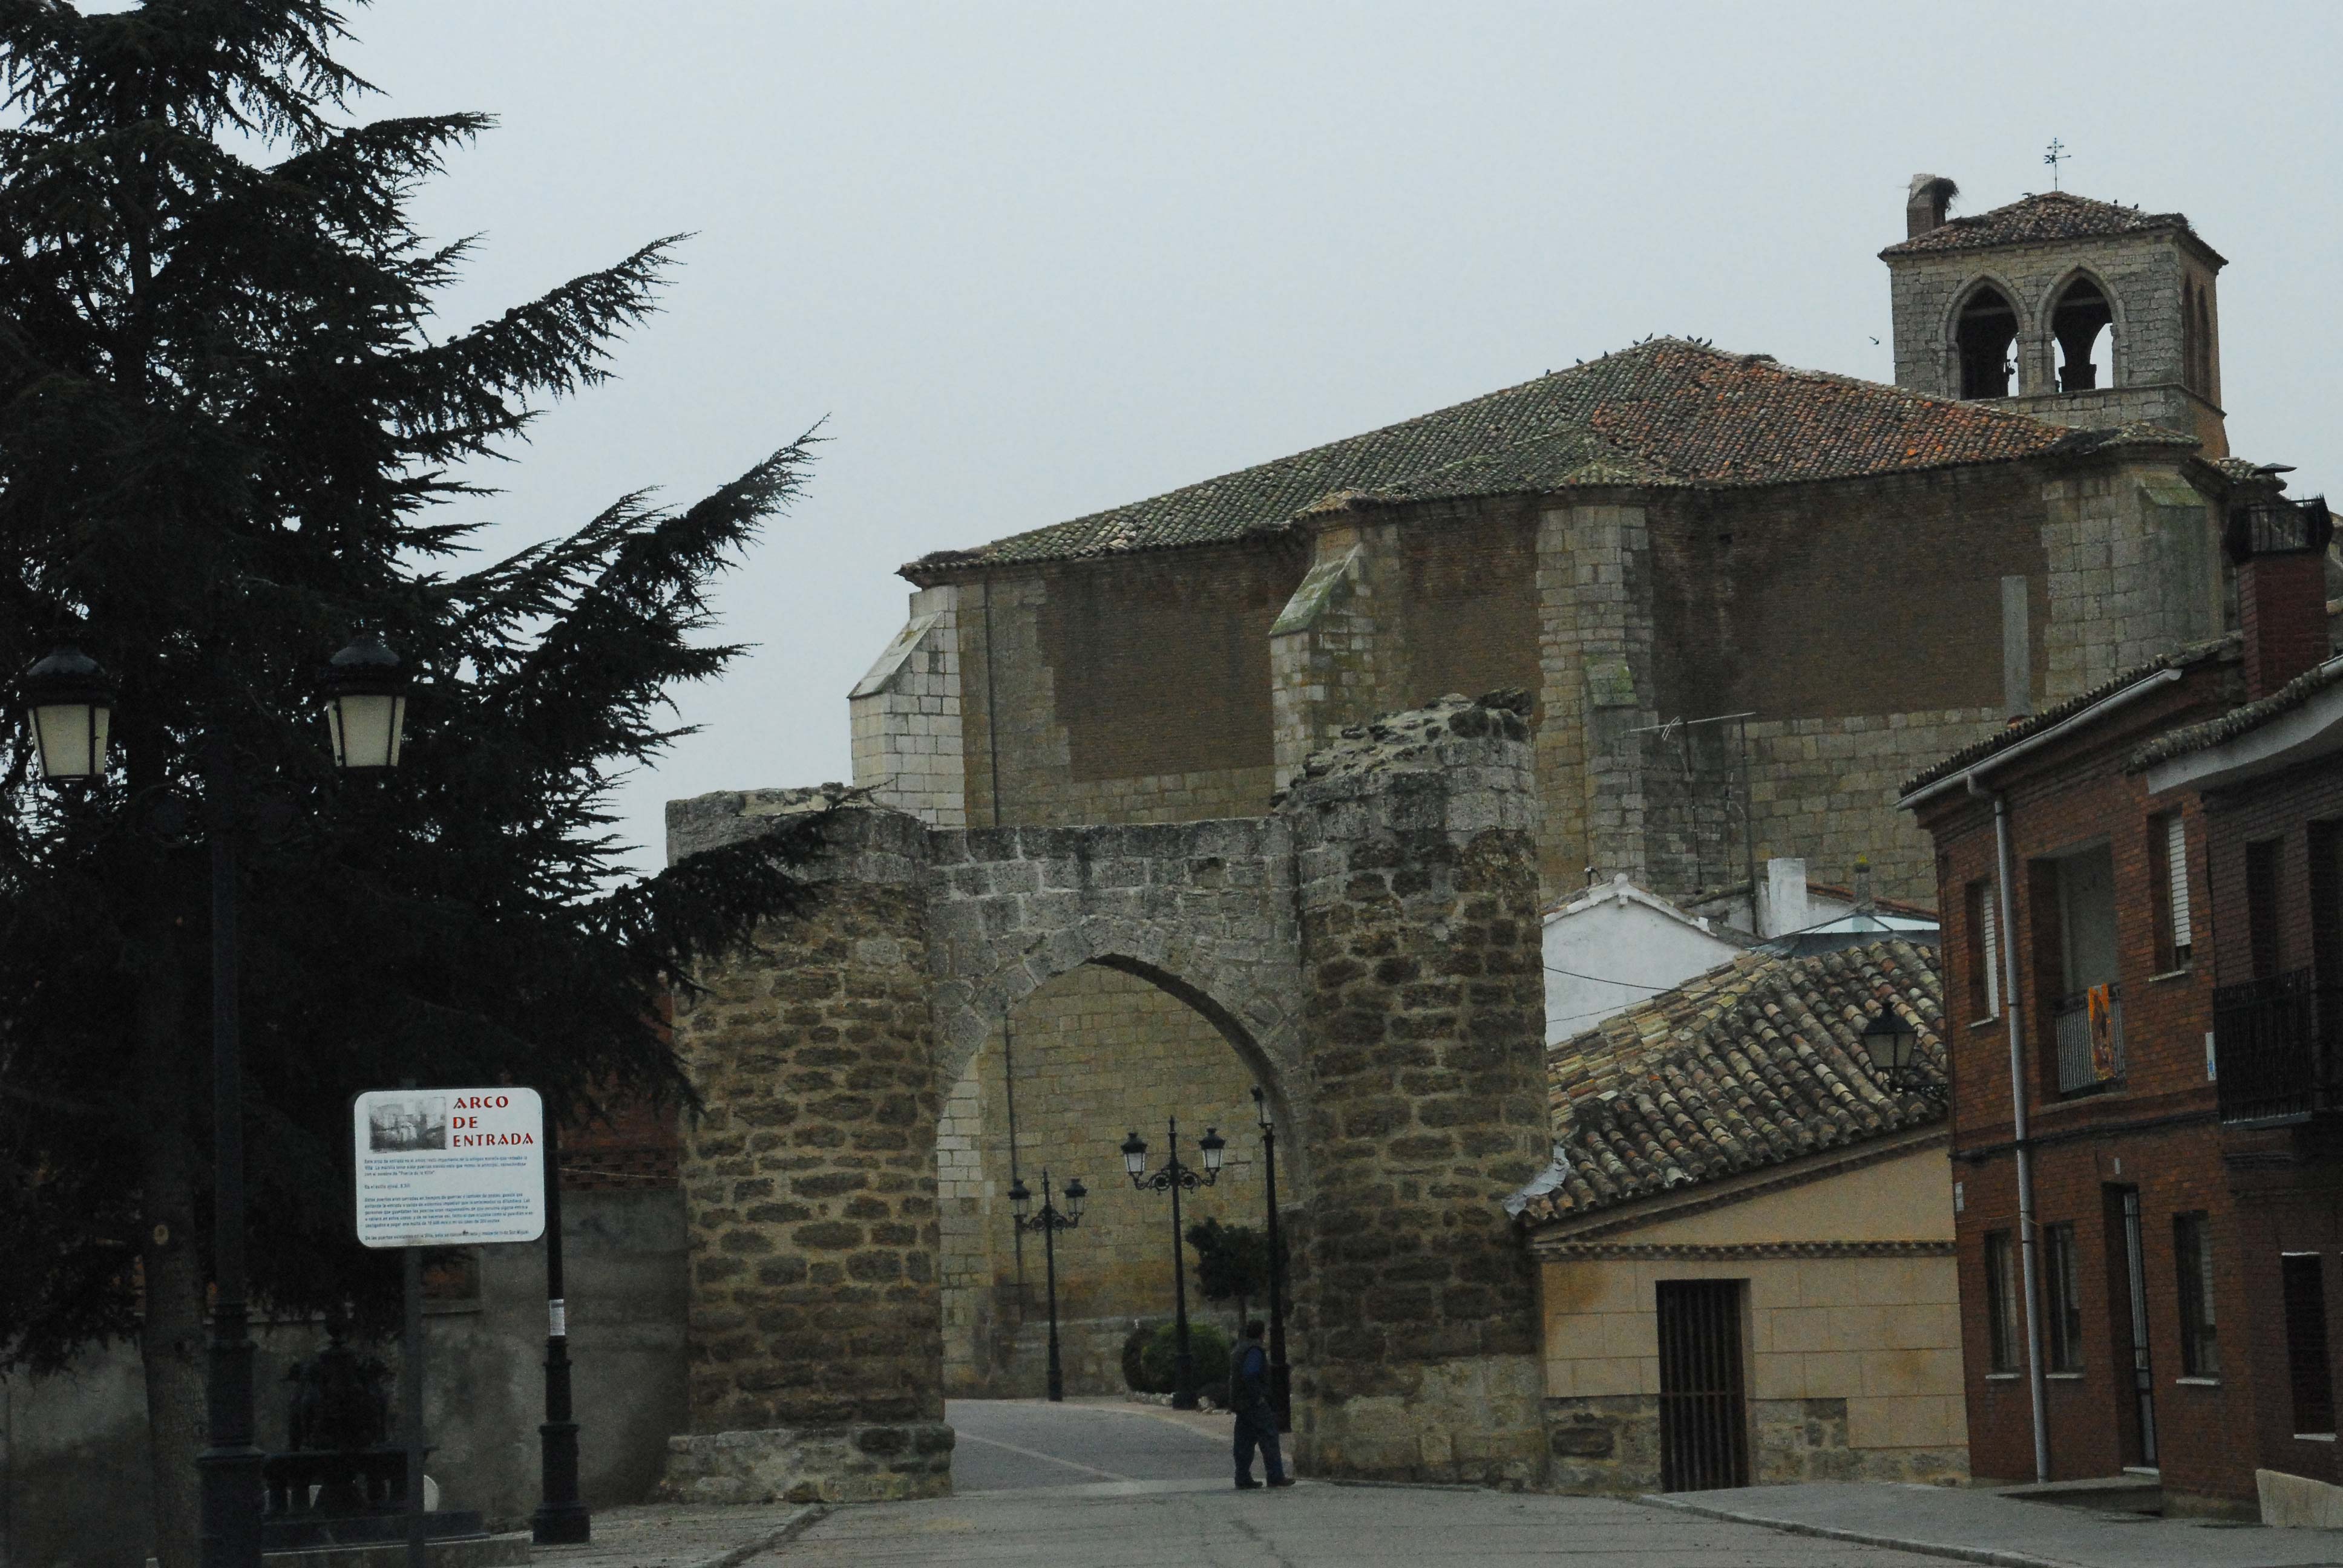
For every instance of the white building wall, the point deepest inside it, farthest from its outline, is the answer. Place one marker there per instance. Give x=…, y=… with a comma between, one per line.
x=1614, y=946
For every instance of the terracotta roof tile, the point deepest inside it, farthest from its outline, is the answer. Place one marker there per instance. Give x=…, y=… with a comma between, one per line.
x=1753, y=1065
x=2034, y=724
x=1666, y=413
x=2239, y=721
x=2048, y=215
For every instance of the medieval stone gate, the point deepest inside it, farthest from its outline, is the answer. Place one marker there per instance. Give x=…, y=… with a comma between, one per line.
x=1370, y=949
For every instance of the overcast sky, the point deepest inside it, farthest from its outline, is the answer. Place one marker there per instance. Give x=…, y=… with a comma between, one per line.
x=1032, y=260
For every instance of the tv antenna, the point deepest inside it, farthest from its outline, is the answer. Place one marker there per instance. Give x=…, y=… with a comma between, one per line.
x=2054, y=155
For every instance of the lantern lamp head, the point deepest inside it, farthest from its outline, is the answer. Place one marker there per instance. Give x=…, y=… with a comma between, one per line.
x=365, y=704
x=70, y=702
x=1261, y=1109
x=1076, y=1196
x=1214, y=1146
x=1893, y=1045
x=1020, y=1198
x=1134, y=1155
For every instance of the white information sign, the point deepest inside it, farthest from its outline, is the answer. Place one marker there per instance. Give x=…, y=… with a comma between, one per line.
x=449, y=1167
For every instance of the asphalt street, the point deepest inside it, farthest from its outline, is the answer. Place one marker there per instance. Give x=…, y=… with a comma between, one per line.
x=1006, y=1444
x=1122, y=1486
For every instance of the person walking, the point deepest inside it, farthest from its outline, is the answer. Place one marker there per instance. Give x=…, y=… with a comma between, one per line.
x=1256, y=1415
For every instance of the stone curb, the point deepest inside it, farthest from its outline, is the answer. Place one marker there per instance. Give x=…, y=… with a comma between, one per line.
x=1986, y=1554
x=796, y=1524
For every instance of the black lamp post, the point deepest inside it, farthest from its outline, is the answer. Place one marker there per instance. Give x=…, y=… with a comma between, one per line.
x=1050, y=1222
x=561, y=1520
x=1173, y=1179
x=69, y=702
x=1281, y=1376
x=1894, y=1047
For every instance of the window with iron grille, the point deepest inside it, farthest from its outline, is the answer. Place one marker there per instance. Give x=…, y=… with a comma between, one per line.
x=2168, y=888
x=2192, y=1256
x=2304, y=1277
x=2001, y=1305
x=1984, y=951
x=2063, y=1278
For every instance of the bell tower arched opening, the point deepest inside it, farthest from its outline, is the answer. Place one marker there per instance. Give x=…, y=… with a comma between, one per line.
x=1985, y=337
x=2082, y=326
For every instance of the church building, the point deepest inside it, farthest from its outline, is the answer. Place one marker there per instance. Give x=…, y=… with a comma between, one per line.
x=1746, y=600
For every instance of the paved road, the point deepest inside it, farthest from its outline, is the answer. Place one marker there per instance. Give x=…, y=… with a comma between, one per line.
x=1121, y=1486
x=1013, y=1444
x=1183, y=1525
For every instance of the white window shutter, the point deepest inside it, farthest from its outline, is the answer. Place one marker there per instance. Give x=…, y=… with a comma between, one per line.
x=1992, y=951
x=2176, y=857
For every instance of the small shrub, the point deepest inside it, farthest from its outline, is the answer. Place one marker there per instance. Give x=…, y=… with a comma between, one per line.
x=1210, y=1347
x=1134, y=1363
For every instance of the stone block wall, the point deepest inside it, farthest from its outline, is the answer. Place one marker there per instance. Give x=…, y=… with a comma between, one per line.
x=1417, y=844
x=816, y=1335
x=906, y=717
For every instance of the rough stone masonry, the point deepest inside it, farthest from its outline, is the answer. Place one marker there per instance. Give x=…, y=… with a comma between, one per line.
x=1396, y=1017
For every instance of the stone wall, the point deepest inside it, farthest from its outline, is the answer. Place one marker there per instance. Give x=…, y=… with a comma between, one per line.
x=816, y=1330
x=1416, y=1335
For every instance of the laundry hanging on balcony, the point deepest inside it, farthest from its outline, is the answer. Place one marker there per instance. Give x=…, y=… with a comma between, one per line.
x=2100, y=1000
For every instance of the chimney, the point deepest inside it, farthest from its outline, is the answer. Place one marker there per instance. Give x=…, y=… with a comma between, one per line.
x=2279, y=548
x=1863, y=898
x=1785, y=896
x=1924, y=209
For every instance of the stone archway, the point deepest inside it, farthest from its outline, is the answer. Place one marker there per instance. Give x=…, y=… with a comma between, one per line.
x=1371, y=949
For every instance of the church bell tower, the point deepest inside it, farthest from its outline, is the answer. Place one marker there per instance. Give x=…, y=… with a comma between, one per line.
x=2078, y=311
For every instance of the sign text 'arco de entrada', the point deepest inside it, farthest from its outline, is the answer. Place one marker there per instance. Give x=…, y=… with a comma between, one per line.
x=448, y=1167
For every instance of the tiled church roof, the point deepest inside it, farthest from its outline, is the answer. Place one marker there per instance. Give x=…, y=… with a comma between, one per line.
x=1752, y=1065
x=1662, y=413
x=2049, y=216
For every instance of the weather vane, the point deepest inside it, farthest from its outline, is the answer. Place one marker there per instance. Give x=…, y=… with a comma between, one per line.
x=2057, y=152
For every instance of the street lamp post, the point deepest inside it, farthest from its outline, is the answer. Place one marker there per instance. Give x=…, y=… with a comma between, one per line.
x=1281, y=1376
x=1173, y=1179
x=69, y=702
x=1050, y=1222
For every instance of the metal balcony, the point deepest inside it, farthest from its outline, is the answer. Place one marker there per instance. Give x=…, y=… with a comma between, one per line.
x=2274, y=1052
x=2085, y=1065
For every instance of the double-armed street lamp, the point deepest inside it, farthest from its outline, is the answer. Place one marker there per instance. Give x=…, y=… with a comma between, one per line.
x=1050, y=1222
x=1173, y=1179
x=68, y=701
x=1281, y=1376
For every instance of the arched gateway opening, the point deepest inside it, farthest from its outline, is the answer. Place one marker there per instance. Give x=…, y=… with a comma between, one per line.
x=1371, y=952
x=1105, y=1048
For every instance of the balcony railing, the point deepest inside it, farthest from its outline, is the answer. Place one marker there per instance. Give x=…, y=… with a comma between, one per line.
x=2274, y=1048
x=2089, y=1059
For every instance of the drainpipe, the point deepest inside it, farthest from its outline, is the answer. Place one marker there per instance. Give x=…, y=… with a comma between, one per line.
x=2028, y=1237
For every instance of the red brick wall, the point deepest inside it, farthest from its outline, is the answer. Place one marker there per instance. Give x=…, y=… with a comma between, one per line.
x=2288, y=1181
x=2282, y=612
x=2157, y=1131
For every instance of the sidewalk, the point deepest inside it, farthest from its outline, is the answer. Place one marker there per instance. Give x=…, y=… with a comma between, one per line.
x=683, y=1535
x=1985, y=1527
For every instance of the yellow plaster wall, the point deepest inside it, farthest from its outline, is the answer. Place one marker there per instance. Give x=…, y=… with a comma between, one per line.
x=1905, y=1199
x=1882, y=1333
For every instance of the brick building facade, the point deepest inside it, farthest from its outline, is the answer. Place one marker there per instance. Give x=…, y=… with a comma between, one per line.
x=2099, y=920
x=1873, y=575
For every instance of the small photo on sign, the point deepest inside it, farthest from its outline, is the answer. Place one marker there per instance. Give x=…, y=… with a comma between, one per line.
x=396, y=1126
